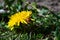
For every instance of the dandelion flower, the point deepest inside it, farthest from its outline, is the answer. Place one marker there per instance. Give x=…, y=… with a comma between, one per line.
x=18, y=18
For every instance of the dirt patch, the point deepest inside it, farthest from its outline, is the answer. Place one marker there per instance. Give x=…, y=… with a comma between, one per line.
x=53, y=5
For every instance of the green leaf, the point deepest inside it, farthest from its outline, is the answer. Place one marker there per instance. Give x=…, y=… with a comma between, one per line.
x=42, y=11
x=39, y=36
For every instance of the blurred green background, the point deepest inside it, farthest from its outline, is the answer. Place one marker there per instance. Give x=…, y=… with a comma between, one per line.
x=46, y=25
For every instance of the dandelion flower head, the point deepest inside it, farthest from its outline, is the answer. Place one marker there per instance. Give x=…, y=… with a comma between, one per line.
x=19, y=17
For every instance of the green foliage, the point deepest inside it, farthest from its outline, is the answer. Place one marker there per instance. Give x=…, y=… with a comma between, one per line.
x=45, y=22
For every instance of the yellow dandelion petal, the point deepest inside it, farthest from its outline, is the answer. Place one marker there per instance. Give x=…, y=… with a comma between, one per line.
x=12, y=28
x=18, y=18
x=32, y=19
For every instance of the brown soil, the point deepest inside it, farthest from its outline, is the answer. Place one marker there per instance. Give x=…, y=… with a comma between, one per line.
x=53, y=5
